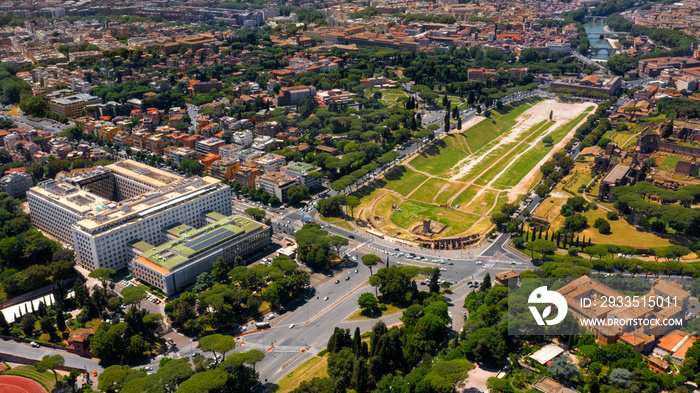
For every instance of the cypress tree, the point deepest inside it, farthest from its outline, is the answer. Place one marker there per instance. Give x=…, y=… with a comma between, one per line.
x=577, y=243
x=546, y=235
x=4, y=326
x=558, y=239
x=60, y=321
x=589, y=241
x=357, y=342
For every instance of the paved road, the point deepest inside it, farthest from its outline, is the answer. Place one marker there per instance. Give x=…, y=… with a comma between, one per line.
x=27, y=351
x=586, y=60
x=45, y=124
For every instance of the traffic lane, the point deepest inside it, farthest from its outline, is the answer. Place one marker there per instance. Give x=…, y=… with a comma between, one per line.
x=314, y=335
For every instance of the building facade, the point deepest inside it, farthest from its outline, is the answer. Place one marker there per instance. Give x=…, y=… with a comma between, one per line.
x=16, y=183
x=100, y=212
x=72, y=106
x=174, y=265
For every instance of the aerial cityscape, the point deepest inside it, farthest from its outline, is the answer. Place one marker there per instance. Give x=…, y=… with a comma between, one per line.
x=380, y=196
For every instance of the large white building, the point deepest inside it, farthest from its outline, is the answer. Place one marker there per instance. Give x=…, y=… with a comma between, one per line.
x=101, y=212
x=174, y=265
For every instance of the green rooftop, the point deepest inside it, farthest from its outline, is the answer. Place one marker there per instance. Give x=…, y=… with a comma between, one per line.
x=193, y=242
x=177, y=229
x=301, y=167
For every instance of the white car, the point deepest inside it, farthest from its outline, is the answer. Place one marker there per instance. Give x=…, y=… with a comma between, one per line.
x=291, y=326
x=478, y=262
x=325, y=298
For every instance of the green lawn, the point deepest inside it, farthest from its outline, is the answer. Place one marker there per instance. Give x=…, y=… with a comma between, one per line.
x=390, y=309
x=449, y=192
x=428, y=190
x=338, y=221
x=486, y=131
x=656, y=119
x=316, y=367
x=465, y=198
x=403, y=180
x=413, y=213
x=442, y=156
x=390, y=97
x=669, y=163
x=46, y=378
x=384, y=206
x=515, y=173
x=501, y=162
x=483, y=203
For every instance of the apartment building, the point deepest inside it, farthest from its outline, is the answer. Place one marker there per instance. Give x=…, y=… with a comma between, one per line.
x=16, y=183
x=292, y=95
x=270, y=162
x=275, y=184
x=306, y=174
x=72, y=106
x=209, y=145
x=179, y=154
x=101, y=212
x=246, y=174
x=174, y=265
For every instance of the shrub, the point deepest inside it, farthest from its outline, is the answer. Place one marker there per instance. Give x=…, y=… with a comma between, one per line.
x=604, y=227
x=573, y=251
x=612, y=216
x=518, y=242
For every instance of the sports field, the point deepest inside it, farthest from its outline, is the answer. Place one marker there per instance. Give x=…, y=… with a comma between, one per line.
x=462, y=177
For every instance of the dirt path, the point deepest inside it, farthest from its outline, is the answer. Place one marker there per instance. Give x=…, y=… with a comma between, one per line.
x=524, y=185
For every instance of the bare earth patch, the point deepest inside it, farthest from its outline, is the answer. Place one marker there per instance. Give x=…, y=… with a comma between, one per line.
x=524, y=186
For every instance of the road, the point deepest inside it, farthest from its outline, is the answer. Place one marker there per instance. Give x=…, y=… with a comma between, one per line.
x=27, y=351
x=585, y=60
x=52, y=126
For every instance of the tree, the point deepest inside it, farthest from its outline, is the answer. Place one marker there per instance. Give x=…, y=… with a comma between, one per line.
x=368, y=301
x=562, y=368
x=113, y=377
x=541, y=190
x=604, y=227
x=620, y=377
x=353, y=202
x=541, y=246
x=103, y=274
x=133, y=295
x=51, y=362
x=297, y=193
x=486, y=284
x=33, y=105
x=599, y=250
x=485, y=345
x=370, y=260
x=220, y=271
x=217, y=343
x=46, y=325
x=548, y=140
x=434, y=278
x=257, y=214
x=4, y=326
x=668, y=129
x=550, y=115
x=191, y=167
